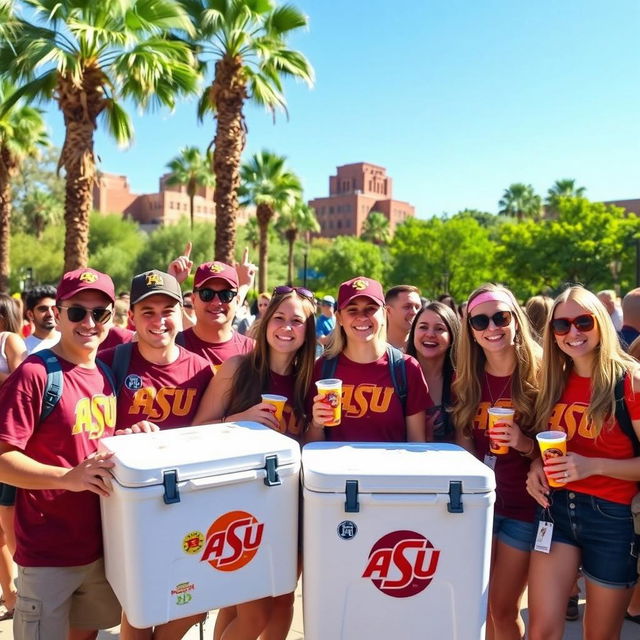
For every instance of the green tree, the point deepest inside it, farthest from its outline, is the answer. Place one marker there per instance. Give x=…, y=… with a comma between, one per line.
x=293, y=220
x=270, y=186
x=44, y=257
x=22, y=134
x=483, y=218
x=89, y=57
x=246, y=43
x=375, y=228
x=563, y=189
x=520, y=201
x=40, y=210
x=193, y=170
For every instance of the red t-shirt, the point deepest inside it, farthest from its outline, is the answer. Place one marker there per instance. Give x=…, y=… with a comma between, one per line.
x=569, y=415
x=371, y=409
x=217, y=352
x=56, y=528
x=166, y=394
x=284, y=386
x=512, y=499
x=116, y=336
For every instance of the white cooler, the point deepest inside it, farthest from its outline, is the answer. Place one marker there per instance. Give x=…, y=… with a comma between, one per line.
x=397, y=541
x=200, y=518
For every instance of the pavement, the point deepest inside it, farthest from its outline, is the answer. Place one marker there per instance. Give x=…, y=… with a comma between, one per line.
x=573, y=630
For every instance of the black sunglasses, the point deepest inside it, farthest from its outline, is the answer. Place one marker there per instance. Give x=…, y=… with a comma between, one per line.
x=481, y=321
x=283, y=289
x=562, y=326
x=78, y=314
x=225, y=296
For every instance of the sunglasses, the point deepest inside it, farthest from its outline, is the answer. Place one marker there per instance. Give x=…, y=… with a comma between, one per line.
x=583, y=323
x=225, y=296
x=100, y=315
x=301, y=291
x=499, y=318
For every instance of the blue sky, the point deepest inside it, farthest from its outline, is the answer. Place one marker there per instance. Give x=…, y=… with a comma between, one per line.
x=457, y=98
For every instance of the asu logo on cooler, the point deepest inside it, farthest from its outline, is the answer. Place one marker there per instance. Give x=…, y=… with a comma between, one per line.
x=232, y=541
x=216, y=267
x=359, y=285
x=402, y=564
x=87, y=276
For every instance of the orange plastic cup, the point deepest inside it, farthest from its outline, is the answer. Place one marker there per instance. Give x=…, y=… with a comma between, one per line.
x=277, y=401
x=553, y=444
x=497, y=417
x=331, y=391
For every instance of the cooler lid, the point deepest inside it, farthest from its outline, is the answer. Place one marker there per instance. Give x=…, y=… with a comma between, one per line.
x=197, y=452
x=393, y=468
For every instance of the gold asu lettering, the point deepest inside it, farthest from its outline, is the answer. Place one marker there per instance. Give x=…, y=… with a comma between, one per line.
x=357, y=401
x=159, y=405
x=93, y=415
x=571, y=418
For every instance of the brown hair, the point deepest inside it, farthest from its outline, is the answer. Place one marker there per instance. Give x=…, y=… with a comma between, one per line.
x=10, y=314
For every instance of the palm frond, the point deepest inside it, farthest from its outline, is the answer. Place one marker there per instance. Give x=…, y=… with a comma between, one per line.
x=118, y=123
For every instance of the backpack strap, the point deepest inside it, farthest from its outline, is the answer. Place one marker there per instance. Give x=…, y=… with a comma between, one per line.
x=398, y=371
x=623, y=417
x=54, y=384
x=119, y=366
x=180, y=341
x=329, y=367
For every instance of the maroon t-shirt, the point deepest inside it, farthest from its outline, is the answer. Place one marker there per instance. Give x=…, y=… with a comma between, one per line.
x=371, y=409
x=284, y=386
x=512, y=499
x=56, y=528
x=166, y=394
x=116, y=336
x=217, y=352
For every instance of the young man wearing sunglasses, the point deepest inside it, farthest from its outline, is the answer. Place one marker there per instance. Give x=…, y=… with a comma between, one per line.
x=52, y=459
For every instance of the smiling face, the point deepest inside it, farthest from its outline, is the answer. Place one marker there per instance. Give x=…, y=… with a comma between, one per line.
x=402, y=309
x=286, y=326
x=578, y=345
x=157, y=320
x=361, y=319
x=43, y=316
x=494, y=339
x=215, y=313
x=263, y=303
x=432, y=337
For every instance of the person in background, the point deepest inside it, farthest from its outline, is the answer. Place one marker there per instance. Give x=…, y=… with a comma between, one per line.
x=39, y=304
x=326, y=321
x=630, y=317
x=432, y=339
x=188, y=313
x=610, y=301
x=402, y=304
x=12, y=347
x=121, y=314
x=260, y=306
x=537, y=310
x=244, y=318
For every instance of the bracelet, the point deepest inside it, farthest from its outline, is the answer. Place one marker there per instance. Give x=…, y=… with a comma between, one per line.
x=531, y=450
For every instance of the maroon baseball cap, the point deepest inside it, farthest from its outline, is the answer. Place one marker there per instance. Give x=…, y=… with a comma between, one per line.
x=85, y=279
x=220, y=270
x=360, y=286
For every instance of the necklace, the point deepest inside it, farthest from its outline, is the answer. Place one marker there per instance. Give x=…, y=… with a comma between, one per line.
x=506, y=384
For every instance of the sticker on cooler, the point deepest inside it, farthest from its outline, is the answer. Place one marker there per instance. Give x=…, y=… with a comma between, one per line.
x=402, y=564
x=232, y=541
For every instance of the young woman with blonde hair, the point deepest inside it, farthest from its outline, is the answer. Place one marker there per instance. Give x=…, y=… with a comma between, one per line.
x=497, y=365
x=591, y=515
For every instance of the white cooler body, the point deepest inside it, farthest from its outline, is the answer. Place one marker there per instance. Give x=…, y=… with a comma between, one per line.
x=402, y=554
x=200, y=518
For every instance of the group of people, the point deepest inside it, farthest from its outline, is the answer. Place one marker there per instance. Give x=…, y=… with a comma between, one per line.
x=412, y=370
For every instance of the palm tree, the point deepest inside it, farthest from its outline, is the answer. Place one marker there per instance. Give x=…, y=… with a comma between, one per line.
x=268, y=185
x=375, y=228
x=22, y=132
x=520, y=201
x=40, y=210
x=565, y=188
x=192, y=169
x=252, y=233
x=245, y=41
x=294, y=219
x=87, y=56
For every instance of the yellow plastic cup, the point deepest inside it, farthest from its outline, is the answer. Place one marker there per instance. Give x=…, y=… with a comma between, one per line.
x=553, y=444
x=497, y=417
x=331, y=391
x=277, y=401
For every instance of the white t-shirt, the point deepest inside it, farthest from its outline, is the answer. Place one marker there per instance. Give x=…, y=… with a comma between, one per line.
x=37, y=344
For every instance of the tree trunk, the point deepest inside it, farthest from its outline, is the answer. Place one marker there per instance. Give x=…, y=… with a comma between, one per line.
x=290, y=235
x=228, y=94
x=264, y=214
x=5, y=232
x=191, y=198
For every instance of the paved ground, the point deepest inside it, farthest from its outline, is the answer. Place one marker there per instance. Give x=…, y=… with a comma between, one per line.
x=573, y=630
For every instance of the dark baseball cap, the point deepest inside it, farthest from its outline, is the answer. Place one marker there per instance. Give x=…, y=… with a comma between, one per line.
x=360, y=286
x=154, y=282
x=219, y=270
x=85, y=279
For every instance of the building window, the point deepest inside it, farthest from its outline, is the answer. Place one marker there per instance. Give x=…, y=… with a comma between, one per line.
x=347, y=224
x=330, y=209
x=339, y=224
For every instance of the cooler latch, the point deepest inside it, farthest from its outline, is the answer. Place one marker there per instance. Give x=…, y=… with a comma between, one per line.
x=351, y=504
x=170, y=483
x=455, y=497
x=271, y=467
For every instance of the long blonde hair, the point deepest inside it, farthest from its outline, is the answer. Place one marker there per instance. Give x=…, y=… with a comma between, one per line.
x=609, y=364
x=470, y=369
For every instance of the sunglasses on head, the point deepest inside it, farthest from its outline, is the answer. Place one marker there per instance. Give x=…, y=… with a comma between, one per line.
x=301, y=291
x=481, y=321
x=78, y=314
x=562, y=326
x=225, y=296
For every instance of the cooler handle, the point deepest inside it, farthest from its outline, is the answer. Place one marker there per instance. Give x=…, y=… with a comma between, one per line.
x=228, y=478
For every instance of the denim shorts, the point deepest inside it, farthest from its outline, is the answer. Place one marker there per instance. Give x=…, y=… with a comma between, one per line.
x=602, y=530
x=516, y=533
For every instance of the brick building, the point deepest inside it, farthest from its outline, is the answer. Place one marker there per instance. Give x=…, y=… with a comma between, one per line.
x=355, y=191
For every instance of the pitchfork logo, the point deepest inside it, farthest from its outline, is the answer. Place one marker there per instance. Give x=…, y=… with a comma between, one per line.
x=402, y=564
x=87, y=276
x=232, y=541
